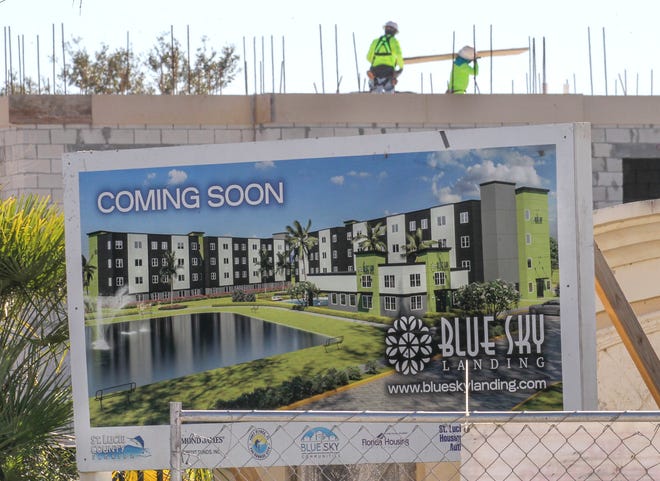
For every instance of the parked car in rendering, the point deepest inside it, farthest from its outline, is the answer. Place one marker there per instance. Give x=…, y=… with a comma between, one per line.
x=548, y=308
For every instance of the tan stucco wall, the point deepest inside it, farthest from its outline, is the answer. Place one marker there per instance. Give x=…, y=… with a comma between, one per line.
x=4, y=112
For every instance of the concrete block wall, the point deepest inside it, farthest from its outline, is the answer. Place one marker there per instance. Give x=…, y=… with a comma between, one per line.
x=36, y=130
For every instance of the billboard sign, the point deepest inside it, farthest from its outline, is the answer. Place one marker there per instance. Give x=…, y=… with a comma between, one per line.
x=443, y=270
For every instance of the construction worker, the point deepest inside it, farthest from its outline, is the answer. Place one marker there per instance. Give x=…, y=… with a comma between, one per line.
x=385, y=56
x=461, y=70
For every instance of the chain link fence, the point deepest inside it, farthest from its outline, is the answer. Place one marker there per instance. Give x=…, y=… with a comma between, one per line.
x=415, y=446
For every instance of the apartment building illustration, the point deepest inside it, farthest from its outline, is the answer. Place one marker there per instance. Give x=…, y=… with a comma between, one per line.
x=412, y=263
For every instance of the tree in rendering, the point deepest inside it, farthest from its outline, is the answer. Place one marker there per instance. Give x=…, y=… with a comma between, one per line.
x=415, y=242
x=88, y=270
x=265, y=264
x=301, y=242
x=489, y=298
x=372, y=240
x=169, y=270
x=35, y=397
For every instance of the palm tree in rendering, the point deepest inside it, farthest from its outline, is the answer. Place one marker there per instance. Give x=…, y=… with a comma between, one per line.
x=87, y=272
x=265, y=264
x=372, y=241
x=169, y=270
x=415, y=242
x=301, y=241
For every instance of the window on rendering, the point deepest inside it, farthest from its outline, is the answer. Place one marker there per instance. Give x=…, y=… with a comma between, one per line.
x=366, y=302
x=390, y=303
x=441, y=220
x=465, y=241
x=424, y=223
x=529, y=263
x=439, y=278
x=415, y=280
x=416, y=303
x=528, y=238
x=388, y=281
x=119, y=263
x=464, y=217
x=119, y=244
x=412, y=226
x=366, y=281
x=466, y=265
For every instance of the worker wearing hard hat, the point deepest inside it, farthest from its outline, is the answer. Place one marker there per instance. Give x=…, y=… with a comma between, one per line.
x=385, y=55
x=461, y=70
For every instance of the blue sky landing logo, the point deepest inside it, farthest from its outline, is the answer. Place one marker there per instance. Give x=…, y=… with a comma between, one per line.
x=259, y=443
x=319, y=442
x=408, y=345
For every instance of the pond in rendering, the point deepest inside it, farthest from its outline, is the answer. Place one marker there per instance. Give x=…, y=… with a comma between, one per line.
x=154, y=350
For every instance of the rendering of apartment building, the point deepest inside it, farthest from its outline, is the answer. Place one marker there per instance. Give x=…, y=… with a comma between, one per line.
x=406, y=262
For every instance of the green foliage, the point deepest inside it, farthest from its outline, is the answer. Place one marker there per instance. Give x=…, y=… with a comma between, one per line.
x=415, y=242
x=107, y=72
x=241, y=296
x=373, y=240
x=293, y=390
x=121, y=71
x=554, y=254
x=304, y=292
x=300, y=240
x=491, y=298
x=35, y=399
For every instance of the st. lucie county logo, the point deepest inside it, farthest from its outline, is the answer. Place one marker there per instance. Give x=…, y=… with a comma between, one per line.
x=408, y=345
x=259, y=443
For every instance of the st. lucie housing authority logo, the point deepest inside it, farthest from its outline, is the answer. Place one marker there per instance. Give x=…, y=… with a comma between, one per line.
x=259, y=443
x=408, y=345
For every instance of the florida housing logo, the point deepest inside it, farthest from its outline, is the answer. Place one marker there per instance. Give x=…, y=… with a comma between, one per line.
x=408, y=345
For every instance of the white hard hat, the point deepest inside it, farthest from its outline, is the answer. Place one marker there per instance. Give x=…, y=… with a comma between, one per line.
x=467, y=53
x=391, y=25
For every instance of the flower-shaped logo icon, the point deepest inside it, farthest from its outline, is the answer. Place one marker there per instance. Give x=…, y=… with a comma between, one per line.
x=408, y=345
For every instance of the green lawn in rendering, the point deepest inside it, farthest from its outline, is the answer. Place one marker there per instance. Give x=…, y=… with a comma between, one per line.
x=150, y=404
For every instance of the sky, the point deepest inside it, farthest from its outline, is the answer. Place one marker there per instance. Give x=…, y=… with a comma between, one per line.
x=328, y=193
x=598, y=47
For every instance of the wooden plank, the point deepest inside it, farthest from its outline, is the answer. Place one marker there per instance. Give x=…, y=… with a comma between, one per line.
x=450, y=56
x=627, y=325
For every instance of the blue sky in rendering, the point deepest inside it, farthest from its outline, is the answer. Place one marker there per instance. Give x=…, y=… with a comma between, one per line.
x=328, y=191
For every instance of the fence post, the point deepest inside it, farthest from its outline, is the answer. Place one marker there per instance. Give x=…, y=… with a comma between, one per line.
x=175, y=441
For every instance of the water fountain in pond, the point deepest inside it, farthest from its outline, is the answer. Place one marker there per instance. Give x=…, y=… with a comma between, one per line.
x=113, y=303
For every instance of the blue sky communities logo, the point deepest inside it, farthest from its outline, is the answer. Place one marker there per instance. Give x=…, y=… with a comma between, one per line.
x=259, y=443
x=118, y=447
x=319, y=442
x=408, y=345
